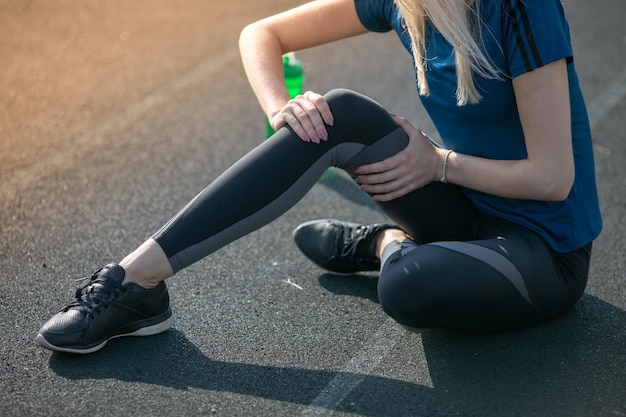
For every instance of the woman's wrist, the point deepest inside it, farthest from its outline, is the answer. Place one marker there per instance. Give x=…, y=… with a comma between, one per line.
x=445, y=165
x=276, y=108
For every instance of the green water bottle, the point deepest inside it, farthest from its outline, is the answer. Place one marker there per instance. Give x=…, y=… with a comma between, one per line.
x=294, y=79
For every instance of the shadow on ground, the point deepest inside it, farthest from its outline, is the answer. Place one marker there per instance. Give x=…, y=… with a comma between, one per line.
x=561, y=368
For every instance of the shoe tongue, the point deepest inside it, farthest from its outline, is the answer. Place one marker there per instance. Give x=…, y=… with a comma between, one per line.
x=365, y=245
x=111, y=272
x=100, y=287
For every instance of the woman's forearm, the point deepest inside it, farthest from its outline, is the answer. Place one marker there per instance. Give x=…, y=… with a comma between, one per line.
x=521, y=179
x=262, y=43
x=261, y=55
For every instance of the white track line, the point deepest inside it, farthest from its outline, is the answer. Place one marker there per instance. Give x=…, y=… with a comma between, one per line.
x=357, y=369
x=609, y=98
x=604, y=103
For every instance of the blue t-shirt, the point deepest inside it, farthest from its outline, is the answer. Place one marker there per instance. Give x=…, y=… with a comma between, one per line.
x=518, y=36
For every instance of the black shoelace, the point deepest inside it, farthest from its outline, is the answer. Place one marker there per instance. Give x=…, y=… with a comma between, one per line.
x=358, y=240
x=96, y=294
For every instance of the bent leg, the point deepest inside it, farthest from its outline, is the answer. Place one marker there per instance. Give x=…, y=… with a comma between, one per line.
x=504, y=280
x=274, y=176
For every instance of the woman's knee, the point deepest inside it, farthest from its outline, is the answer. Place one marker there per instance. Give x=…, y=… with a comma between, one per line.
x=401, y=297
x=345, y=96
x=358, y=113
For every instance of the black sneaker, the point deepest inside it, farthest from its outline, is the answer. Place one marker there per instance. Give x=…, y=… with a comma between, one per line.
x=105, y=309
x=340, y=247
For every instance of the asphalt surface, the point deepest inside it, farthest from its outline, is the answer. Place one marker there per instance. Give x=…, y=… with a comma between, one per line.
x=114, y=114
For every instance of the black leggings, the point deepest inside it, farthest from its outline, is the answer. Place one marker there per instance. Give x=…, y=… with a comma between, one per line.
x=464, y=270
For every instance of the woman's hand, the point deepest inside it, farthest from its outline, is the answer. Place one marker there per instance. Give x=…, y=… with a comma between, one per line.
x=262, y=45
x=412, y=168
x=307, y=114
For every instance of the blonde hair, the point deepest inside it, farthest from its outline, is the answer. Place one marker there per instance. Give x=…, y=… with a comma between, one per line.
x=459, y=24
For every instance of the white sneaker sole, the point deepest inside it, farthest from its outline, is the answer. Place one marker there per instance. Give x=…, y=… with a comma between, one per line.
x=144, y=331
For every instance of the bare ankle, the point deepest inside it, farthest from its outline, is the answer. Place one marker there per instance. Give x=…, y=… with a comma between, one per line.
x=387, y=236
x=147, y=265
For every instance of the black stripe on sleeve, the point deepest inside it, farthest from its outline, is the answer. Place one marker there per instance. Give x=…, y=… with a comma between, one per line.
x=529, y=36
x=518, y=34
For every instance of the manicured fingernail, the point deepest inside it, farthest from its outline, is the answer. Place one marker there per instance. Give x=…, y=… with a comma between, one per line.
x=329, y=120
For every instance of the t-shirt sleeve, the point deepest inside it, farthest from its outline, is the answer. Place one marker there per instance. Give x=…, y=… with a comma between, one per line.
x=375, y=15
x=536, y=34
